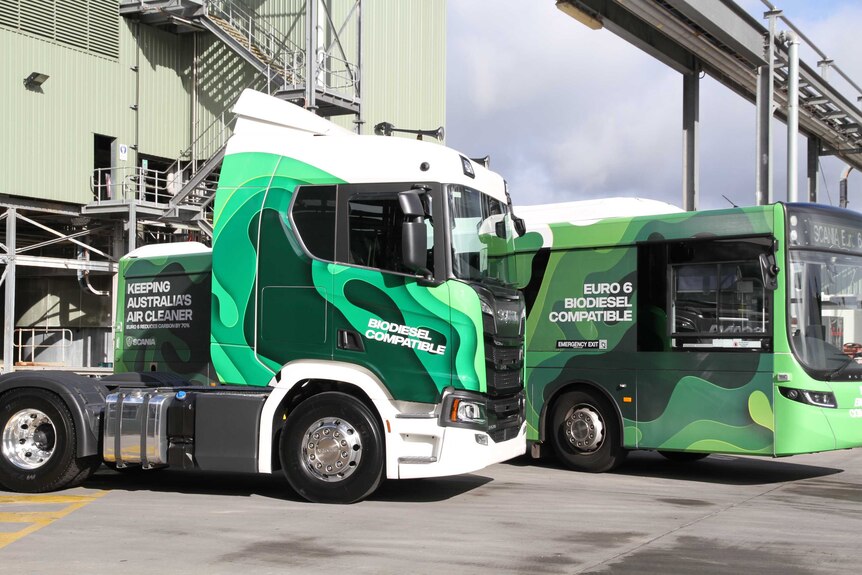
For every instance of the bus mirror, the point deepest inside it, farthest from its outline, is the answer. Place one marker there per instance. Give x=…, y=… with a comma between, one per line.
x=414, y=247
x=769, y=271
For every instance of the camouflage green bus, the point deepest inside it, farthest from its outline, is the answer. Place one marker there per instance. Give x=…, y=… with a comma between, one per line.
x=731, y=331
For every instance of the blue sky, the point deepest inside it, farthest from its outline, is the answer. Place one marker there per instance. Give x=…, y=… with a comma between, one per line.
x=570, y=113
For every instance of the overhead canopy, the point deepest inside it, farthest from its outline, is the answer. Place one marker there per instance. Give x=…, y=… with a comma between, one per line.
x=724, y=41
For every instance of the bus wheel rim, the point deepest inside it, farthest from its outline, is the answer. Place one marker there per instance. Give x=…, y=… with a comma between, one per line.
x=584, y=428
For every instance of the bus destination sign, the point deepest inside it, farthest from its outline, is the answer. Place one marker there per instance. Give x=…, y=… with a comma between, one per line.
x=813, y=229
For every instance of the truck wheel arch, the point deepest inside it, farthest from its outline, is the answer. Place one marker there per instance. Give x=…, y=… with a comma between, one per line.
x=83, y=396
x=302, y=379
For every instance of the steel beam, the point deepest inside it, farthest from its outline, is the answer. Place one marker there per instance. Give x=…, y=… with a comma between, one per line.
x=58, y=263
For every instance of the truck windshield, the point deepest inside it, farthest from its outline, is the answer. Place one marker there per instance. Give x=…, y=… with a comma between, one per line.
x=825, y=312
x=483, y=237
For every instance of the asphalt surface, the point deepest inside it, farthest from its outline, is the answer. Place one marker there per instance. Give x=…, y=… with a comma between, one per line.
x=720, y=515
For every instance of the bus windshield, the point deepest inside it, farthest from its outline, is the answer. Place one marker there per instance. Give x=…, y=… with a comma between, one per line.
x=483, y=236
x=826, y=311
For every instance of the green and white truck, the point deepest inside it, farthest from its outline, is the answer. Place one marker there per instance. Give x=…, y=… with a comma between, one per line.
x=354, y=320
x=732, y=331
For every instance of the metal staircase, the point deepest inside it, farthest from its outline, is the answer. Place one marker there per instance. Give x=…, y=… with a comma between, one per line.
x=327, y=82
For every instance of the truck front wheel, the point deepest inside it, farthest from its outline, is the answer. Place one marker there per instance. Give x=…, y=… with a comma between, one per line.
x=38, y=451
x=332, y=449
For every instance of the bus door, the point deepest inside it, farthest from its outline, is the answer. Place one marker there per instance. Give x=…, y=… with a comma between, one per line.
x=705, y=342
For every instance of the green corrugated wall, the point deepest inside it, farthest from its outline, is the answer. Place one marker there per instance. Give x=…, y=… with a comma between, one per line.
x=47, y=148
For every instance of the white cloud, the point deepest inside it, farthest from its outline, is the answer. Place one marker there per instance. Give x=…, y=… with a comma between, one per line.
x=569, y=113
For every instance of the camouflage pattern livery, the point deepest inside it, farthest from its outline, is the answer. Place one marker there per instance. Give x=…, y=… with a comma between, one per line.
x=163, y=312
x=596, y=319
x=273, y=303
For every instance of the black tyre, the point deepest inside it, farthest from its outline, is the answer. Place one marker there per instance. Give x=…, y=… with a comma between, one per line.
x=585, y=432
x=332, y=449
x=683, y=456
x=38, y=450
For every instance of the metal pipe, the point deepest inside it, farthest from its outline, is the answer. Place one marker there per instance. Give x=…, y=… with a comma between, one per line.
x=792, y=117
x=813, y=46
x=842, y=187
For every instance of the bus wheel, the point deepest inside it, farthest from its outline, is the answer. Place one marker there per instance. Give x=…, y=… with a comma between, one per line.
x=331, y=449
x=38, y=451
x=683, y=456
x=584, y=432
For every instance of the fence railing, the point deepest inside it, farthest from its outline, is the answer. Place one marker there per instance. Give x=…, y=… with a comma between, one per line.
x=41, y=338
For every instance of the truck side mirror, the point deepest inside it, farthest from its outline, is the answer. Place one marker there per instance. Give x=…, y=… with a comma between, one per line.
x=414, y=233
x=414, y=247
x=520, y=225
x=411, y=204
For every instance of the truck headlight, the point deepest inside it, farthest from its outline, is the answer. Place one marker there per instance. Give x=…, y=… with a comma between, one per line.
x=463, y=409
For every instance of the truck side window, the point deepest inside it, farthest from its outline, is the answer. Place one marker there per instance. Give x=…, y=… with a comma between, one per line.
x=313, y=214
x=374, y=232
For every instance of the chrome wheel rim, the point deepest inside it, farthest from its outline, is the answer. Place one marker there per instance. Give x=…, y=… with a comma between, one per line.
x=584, y=428
x=29, y=439
x=331, y=449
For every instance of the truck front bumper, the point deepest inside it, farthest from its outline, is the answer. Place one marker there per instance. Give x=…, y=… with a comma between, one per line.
x=426, y=446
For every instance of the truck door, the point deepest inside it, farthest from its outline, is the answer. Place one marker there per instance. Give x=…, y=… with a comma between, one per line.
x=384, y=317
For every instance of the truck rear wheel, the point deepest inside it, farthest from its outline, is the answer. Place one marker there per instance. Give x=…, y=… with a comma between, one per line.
x=584, y=432
x=332, y=449
x=38, y=450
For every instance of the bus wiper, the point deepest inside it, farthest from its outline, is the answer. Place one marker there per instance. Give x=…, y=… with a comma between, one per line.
x=840, y=370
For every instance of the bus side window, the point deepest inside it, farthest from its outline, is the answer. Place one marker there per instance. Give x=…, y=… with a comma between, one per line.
x=717, y=299
x=652, y=330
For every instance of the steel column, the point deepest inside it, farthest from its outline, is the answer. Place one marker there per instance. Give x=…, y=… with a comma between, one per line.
x=792, y=117
x=9, y=310
x=813, y=168
x=690, y=128
x=311, y=66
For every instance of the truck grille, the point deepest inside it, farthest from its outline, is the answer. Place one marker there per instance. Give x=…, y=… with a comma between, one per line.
x=504, y=368
x=506, y=417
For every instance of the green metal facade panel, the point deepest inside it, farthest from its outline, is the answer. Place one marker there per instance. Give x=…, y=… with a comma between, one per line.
x=404, y=66
x=164, y=103
x=221, y=76
x=48, y=150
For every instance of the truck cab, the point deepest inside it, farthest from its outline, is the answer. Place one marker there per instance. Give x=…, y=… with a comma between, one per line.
x=356, y=317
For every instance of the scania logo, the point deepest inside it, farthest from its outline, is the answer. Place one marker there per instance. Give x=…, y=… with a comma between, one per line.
x=507, y=315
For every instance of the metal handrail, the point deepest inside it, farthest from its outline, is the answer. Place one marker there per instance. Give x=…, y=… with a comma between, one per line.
x=134, y=183
x=33, y=346
x=813, y=46
x=286, y=59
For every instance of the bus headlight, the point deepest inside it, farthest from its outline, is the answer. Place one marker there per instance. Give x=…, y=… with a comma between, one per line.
x=817, y=398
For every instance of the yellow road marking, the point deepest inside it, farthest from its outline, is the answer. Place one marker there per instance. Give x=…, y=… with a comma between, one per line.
x=36, y=520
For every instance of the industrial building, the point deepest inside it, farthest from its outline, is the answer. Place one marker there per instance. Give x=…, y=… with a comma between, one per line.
x=116, y=113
